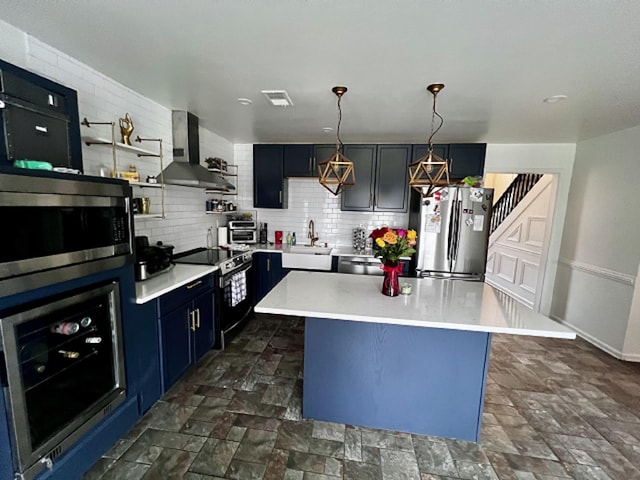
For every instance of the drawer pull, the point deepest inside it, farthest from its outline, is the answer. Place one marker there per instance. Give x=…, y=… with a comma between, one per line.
x=41, y=129
x=195, y=284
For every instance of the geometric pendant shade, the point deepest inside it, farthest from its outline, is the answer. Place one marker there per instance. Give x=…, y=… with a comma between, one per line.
x=337, y=172
x=430, y=173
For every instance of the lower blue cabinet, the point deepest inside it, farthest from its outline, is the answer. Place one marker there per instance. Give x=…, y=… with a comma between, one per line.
x=268, y=271
x=186, y=319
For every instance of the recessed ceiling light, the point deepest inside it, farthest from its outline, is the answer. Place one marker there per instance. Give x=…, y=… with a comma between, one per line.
x=327, y=129
x=279, y=98
x=244, y=101
x=555, y=99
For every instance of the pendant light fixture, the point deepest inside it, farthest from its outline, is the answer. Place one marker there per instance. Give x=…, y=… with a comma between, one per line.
x=431, y=172
x=337, y=173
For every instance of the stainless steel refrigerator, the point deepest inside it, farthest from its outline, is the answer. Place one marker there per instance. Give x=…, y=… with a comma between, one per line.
x=453, y=232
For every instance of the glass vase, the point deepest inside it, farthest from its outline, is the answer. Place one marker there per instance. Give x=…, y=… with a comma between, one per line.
x=390, y=283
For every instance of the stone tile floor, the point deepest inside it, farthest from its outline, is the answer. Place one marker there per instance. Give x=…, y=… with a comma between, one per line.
x=554, y=409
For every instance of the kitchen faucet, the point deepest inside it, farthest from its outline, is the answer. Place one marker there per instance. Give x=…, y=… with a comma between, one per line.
x=312, y=233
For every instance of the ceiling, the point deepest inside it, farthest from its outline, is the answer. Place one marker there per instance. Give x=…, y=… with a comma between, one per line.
x=498, y=59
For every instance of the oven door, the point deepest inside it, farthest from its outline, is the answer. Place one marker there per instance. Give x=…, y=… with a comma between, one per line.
x=236, y=290
x=243, y=236
x=65, y=370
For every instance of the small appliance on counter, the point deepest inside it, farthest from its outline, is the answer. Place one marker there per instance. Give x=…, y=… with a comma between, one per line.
x=243, y=231
x=152, y=260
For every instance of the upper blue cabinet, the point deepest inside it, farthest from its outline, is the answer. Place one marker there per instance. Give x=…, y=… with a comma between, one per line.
x=39, y=120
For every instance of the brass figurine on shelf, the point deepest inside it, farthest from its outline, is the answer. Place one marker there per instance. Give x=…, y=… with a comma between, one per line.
x=126, y=128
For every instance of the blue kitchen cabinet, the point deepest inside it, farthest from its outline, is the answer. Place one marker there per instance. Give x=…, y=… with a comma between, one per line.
x=465, y=159
x=267, y=272
x=203, y=335
x=391, y=193
x=146, y=361
x=382, y=181
x=299, y=161
x=269, y=183
x=39, y=120
x=359, y=197
x=176, y=344
x=322, y=153
x=186, y=319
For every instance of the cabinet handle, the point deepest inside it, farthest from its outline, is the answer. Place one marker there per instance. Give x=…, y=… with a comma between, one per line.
x=192, y=314
x=309, y=164
x=451, y=165
x=280, y=196
x=370, y=199
x=194, y=284
x=198, y=317
x=268, y=264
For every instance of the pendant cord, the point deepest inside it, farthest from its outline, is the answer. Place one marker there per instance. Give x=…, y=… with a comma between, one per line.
x=339, y=144
x=434, y=114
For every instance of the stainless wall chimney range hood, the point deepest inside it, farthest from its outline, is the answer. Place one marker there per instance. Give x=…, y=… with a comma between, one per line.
x=185, y=169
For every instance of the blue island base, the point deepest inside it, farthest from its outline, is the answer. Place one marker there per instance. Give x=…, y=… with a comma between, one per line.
x=428, y=381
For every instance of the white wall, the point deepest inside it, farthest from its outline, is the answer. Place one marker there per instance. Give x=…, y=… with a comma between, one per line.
x=101, y=98
x=600, y=253
x=308, y=200
x=540, y=158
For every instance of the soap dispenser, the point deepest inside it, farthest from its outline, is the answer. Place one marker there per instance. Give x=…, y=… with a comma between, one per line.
x=293, y=239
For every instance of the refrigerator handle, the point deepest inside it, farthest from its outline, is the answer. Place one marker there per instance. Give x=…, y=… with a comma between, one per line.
x=453, y=229
x=458, y=230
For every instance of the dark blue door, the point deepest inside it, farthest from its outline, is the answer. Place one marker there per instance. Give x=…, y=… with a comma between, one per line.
x=176, y=344
x=359, y=197
x=268, y=178
x=298, y=161
x=203, y=336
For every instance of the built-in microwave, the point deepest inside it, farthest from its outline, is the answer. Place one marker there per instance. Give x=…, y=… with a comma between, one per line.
x=61, y=228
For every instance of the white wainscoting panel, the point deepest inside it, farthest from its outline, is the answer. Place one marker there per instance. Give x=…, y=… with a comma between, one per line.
x=517, y=247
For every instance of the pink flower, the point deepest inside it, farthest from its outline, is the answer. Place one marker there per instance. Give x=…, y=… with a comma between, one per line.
x=401, y=232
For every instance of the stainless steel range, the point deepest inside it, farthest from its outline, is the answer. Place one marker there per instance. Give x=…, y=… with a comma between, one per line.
x=234, y=286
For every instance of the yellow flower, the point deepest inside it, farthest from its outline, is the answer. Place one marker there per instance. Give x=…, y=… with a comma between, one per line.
x=380, y=242
x=391, y=238
x=412, y=235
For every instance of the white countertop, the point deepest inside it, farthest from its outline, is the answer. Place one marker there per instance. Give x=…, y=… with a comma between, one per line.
x=434, y=303
x=180, y=275
x=338, y=251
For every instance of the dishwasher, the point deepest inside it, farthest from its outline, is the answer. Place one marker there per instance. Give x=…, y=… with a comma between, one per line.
x=359, y=265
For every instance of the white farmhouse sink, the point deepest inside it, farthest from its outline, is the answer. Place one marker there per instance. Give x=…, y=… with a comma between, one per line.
x=309, y=250
x=306, y=257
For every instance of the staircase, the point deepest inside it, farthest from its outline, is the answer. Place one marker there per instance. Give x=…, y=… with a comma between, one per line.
x=518, y=189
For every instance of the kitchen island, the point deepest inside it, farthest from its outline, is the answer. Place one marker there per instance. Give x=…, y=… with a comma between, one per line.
x=416, y=363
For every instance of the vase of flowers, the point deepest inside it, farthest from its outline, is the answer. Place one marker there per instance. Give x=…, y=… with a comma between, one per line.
x=390, y=246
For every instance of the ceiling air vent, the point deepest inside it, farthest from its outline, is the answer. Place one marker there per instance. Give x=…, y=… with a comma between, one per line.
x=279, y=98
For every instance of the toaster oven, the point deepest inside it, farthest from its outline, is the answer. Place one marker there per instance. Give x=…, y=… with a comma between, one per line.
x=243, y=236
x=242, y=225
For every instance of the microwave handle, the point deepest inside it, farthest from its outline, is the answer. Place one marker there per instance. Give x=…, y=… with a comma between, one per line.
x=127, y=209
